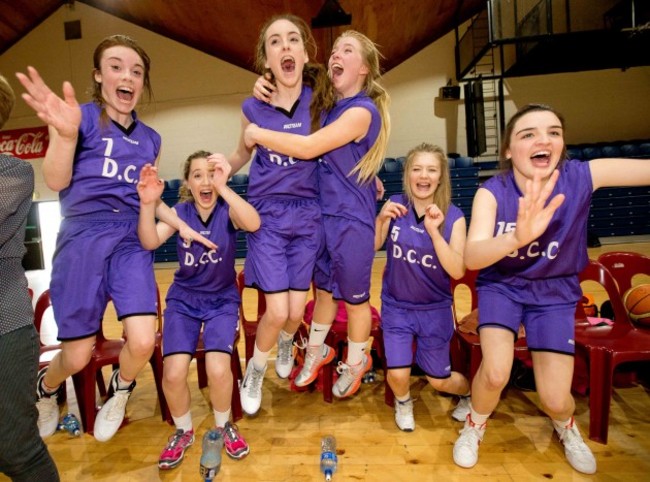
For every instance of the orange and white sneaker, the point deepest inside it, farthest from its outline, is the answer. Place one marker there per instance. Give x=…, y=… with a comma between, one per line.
x=315, y=358
x=350, y=377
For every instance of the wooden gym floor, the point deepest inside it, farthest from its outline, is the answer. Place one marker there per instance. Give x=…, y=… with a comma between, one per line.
x=285, y=436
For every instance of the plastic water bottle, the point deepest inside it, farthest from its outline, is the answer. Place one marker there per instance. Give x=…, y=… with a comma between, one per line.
x=211, y=455
x=70, y=423
x=328, y=458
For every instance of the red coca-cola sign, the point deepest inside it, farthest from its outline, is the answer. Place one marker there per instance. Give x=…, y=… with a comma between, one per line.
x=30, y=143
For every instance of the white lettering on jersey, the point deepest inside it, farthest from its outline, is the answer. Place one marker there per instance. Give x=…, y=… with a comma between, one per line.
x=394, y=233
x=110, y=168
x=411, y=256
x=533, y=250
x=205, y=258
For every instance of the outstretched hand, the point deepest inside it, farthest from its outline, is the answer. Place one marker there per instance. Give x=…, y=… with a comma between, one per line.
x=150, y=187
x=221, y=170
x=189, y=235
x=63, y=114
x=534, y=215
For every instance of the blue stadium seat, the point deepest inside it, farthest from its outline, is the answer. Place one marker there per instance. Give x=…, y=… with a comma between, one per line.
x=644, y=149
x=173, y=184
x=630, y=150
x=592, y=152
x=391, y=165
x=574, y=153
x=239, y=179
x=463, y=161
x=611, y=151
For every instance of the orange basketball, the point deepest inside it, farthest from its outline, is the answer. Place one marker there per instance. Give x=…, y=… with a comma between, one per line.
x=637, y=303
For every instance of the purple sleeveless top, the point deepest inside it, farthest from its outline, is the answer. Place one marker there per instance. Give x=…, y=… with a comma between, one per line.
x=340, y=193
x=201, y=269
x=273, y=174
x=545, y=271
x=107, y=166
x=414, y=277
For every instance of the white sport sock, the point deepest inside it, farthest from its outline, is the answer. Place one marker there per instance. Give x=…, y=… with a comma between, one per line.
x=477, y=418
x=220, y=418
x=355, y=352
x=403, y=398
x=560, y=425
x=317, y=333
x=184, y=422
x=259, y=358
x=285, y=336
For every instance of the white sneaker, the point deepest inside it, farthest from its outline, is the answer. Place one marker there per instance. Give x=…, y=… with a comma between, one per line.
x=48, y=408
x=466, y=447
x=576, y=450
x=404, y=415
x=461, y=411
x=284, y=360
x=111, y=415
x=315, y=358
x=250, y=392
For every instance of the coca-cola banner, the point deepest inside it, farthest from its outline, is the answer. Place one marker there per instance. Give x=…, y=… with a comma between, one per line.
x=29, y=143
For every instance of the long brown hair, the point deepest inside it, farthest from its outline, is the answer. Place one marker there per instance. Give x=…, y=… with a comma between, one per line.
x=505, y=163
x=371, y=162
x=313, y=74
x=442, y=194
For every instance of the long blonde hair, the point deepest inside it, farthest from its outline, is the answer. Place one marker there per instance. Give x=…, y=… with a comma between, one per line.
x=369, y=165
x=442, y=194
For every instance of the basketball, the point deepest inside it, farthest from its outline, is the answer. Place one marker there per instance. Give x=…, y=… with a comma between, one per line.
x=637, y=303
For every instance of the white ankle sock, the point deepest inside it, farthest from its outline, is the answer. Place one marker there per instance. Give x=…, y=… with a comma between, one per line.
x=355, y=352
x=477, y=418
x=403, y=398
x=317, y=333
x=220, y=418
x=184, y=422
x=259, y=358
x=560, y=425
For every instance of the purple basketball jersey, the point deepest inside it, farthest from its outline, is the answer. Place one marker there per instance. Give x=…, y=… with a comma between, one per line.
x=558, y=255
x=202, y=269
x=273, y=174
x=107, y=165
x=414, y=278
x=340, y=193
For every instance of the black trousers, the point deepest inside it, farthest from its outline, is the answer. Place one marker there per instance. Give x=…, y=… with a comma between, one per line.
x=23, y=454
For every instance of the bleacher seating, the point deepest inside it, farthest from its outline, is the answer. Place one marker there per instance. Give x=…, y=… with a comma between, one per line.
x=617, y=211
x=613, y=211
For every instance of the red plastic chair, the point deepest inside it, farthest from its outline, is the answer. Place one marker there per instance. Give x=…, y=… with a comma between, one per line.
x=624, y=266
x=605, y=348
x=337, y=338
x=467, y=349
x=249, y=327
